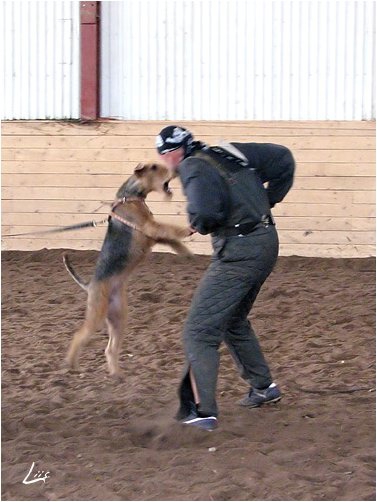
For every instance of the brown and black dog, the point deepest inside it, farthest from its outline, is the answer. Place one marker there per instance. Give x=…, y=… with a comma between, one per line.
x=131, y=233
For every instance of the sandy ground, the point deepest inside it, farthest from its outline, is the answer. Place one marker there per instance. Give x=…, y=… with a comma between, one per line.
x=106, y=440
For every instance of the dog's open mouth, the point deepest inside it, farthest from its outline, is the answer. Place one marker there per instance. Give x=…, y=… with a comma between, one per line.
x=167, y=189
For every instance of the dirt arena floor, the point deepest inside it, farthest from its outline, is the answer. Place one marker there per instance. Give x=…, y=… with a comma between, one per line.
x=92, y=438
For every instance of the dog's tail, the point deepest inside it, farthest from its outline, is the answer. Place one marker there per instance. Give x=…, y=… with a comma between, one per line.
x=73, y=274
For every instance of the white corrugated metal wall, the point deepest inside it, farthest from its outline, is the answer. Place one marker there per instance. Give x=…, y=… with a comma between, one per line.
x=195, y=59
x=40, y=64
x=238, y=59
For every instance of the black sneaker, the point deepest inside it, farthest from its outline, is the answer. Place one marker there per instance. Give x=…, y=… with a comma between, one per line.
x=206, y=423
x=257, y=397
x=193, y=419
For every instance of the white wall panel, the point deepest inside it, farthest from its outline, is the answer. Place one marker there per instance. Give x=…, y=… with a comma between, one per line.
x=238, y=59
x=40, y=67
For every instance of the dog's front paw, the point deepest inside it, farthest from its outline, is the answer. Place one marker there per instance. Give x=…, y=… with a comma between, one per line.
x=181, y=249
x=188, y=231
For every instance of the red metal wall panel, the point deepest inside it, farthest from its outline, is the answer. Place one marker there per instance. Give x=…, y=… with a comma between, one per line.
x=89, y=50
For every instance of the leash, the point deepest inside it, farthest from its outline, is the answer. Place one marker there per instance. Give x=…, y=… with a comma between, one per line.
x=62, y=229
x=88, y=224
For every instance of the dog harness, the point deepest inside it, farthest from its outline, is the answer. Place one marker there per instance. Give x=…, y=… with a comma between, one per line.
x=126, y=222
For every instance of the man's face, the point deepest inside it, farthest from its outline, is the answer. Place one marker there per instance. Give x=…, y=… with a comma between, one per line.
x=172, y=160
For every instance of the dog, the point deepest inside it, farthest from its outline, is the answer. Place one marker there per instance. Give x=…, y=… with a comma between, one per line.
x=131, y=233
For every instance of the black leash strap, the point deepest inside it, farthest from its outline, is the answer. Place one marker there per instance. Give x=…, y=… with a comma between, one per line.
x=78, y=226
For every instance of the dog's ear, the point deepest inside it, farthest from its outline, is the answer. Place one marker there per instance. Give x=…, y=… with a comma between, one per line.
x=140, y=169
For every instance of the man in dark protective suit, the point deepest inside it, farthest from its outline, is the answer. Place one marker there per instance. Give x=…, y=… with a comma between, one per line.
x=227, y=199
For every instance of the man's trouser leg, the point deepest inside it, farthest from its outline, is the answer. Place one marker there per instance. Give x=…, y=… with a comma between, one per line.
x=215, y=303
x=240, y=337
x=244, y=345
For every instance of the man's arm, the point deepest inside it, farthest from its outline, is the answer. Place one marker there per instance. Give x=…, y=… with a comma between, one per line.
x=207, y=195
x=280, y=179
x=275, y=166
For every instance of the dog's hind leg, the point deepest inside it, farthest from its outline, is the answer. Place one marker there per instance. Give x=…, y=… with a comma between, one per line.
x=95, y=315
x=116, y=320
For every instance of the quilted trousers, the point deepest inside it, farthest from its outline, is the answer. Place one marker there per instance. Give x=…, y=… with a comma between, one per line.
x=218, y=313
